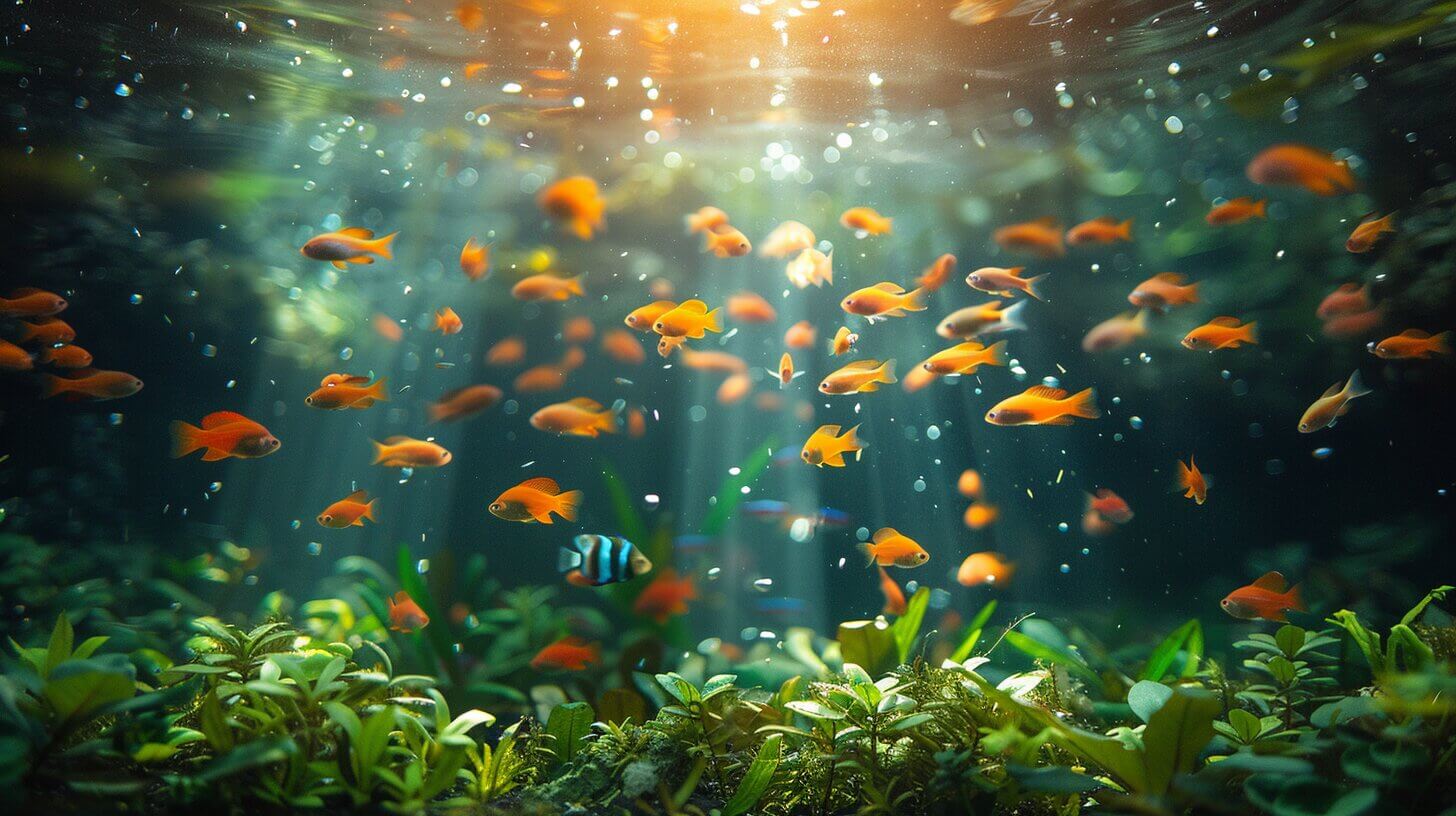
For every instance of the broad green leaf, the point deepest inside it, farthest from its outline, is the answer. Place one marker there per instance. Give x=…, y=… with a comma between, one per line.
x=757, y=779
x=1187, y=638
x=568, y=726
x=59, y=649
x=1060, y=656
x=80, y=689
x=1146, y=697
x=868, y=644
x=1176, y=734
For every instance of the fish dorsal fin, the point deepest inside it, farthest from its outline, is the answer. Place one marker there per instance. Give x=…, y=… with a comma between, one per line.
x=218, y=418
x=1272, y=581
x=885, y=534
x=1225, y=320
x=1047, y=221
x=1332, y=390
x=395, y=440
x=545, y=484
x=1415, y=334
x=357, y=232
x=1169, y=277
x=892, y=288
x=862, y=365
x=694, y=306
x=1105, y=219
x=663, y=304
x=831, y=430
x=990, y=304
x=361, y=496
x=1046, y=392
x=585, y=402
x=351, y=379
x=969, y=346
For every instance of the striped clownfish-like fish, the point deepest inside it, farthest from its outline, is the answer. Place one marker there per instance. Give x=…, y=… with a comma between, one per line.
x=598, y=560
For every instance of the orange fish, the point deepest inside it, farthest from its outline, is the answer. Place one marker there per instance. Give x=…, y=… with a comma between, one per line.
x=62, y=357
x=883, y=301
x=1354, y=324
x=47, y=331
x=340, y=391
x=463, y=403
x=985, y=569
x=386, y=327
x=734, y=389
x=577, y=202
x=937, y=274
x=705, y=219
x=620, y=345
x=666, y=596
x=894, y=596
x=1164, y=292
x=544, y=377
x=475, y=259
x=405, y=615
x=578, y=330
x=547, y=287
x=572, y=359
x=447, y=322
x=1104, y=230
x=1410, y=344
x=827, y=446
x=570, y=653
x=987, y=318
x=691, y=319
x=888, y=547
x=1236, y=211
x=15, y=358
x=643, y=317
x=1109, y=505
x=726, y=241
x=1041, y=238
x=473, y=68
x=966, y=358
x=1117, y=332
x=29, y=301
x=534, y=500
x=508, y=351
x=750, y=307
x=1369, y=232
x=470, y=15
x=92, y=384
x=970, y=484
x=223, y=434
x=1346, y=299
x=1221, y=333
x=406, y=452
x=1044, y=405
x=786, y=372
x=636, y=423
x=1268, y=598
x=843, y=341
x=1093, y=524
x=1334, y=404
x=1004, y=282
x=859, y=377
x=979, y=516
x=800, y=335
x=667, y=345
x=354, y=245
x=980, y=12
x=1192, y=482
x=720, y=361
x=1301, y=166
x=811, y=267
x=577, y=417
x=349, y=511
x=786, y=239
x=865, y=220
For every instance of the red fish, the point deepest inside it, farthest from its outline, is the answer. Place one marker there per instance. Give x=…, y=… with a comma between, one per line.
x=1110, y=506
x=1369, y=232
x=937, y=274
x=349, y=511
x=405, y=615
x=1266, y=599
x=65, y=357
x=224, y=434
x=666, y=596
x=29, y=301
x=48, y=331
x=1301, y=166
x=92, y=384
x=1104, y=230
x=1346, y=299
x=570, y=653
x=1236, y=211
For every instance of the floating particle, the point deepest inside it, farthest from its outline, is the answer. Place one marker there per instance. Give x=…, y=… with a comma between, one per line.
x=745, y=490
x=932, y=433
x=1065, y=568
x=714, y=573
x=1063, y=527
x=863, y=534
x=1322, y=453
x=511, y=406
x=422, y=566
x=801, y=529
x=315, y=548
x=1135, y=422
x=763, y=584
x=115, y=419
x=1086, y=550
x=209, y=350
x=697, y=413
x=295, y=524
x=735, y=470
x=1051, y=382
x=214, y=487
x=123, y=89
x=135, y=299
x=919, y=485
x=346, y=353
x=652, y=500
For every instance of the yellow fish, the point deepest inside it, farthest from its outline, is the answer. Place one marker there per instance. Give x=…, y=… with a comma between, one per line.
x=966, y=358
x=691, y=319
x=826, y=446
x=859, y=376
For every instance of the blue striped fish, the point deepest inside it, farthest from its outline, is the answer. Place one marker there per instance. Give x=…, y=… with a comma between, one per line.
x=598, y=560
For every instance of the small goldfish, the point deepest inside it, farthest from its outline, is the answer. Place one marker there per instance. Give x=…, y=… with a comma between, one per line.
x=47, y=331
x=576, y=417
x=1093, y=524
x=801, y=335
x=620, y=345
x=734, y=389
x=887, y=547
x=447, y=322
x=547, y=287
x=1117, y=332
x=859, y=377
x=720, y=361
x=570, y=653
x=970, y=484
x=666, y=596
x=826, y=446
x=508, y=351
x=1412, y=344
x=865, y=220
x=577, y=202
x=937, y=274
x=1109, y=505
x=786, y=373
x=667, y=345
x=475, y=259
x=642, y=318
x=349, y=511
x=15, y=358
x=1041, y=238
x=1268, y=598
x=1354, y=324
x=534, y=500
x=705, y=219
x=92, y=384
x=811, y=267
x=28, y=301
x=223, y=434
x=917, y=378
x=63, y=357
x=387, y=327
x=1301, y=166
x=691, y=319
x=572, y=359
x=1164, y=292
x=882, y=301
x=1332, y=405
x=354, y=245
x=1104, y=230
x=340, y=391
x=726, y=241
x=406, y=452
x=463, y=403
x=966, y=358
x=1347, y=298
x=1221, y=333
x=1369, y=232
x=786, y=239
x=1192, y=482
x=579, y=329
x=894, y=596
x=1043, y=405
x=406, y=616
x=843, y=341
x=987, y=318
x=1004, y=282
x=979, y=516
x=544, y=377
x=1236, y=211
x=985, y=569
x=750, y=307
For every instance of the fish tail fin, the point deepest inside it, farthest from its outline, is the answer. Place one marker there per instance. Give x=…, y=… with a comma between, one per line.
x=1251, y=332
x=1031, y=285
x=1193, y=293
x=915, y=300
x=1441, y=343
x=185, y=439
x=369, y=511
x=852, y=440
x=1261, y=208
x=1355, y=386
x=379, y=451
x=1124, y=230
x=384, y=247
x=711, y=322
x=1012, y=319
x=377, y=392
x=436, y=412
x=1083, y=404
x=868, y=549
x=887, y=372
x=51, y=385
x=566, y=504
x=567, y=559
x=581, y=228
x=996, y=352
x=573, y=285
x=1294, y=598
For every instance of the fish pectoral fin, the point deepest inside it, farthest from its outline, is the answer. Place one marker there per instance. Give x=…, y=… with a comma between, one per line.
x=1058, y=420
x=340, y=265
x=361, y=259
x=214, y=454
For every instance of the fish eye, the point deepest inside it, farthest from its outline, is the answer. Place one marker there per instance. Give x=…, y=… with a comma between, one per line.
x=991, y=414
x=1304, y=426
